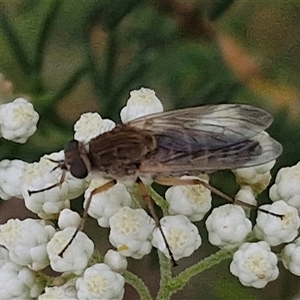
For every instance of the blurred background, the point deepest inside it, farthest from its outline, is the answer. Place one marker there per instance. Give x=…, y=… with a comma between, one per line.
x=71, y=57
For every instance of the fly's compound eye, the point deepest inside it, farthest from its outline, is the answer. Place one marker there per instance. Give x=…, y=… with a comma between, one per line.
x=78, y=168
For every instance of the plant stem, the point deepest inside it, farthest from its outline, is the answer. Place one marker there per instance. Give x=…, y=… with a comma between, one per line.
x=138, y=285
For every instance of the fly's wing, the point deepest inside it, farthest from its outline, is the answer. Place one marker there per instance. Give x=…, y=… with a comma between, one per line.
x=208, y=138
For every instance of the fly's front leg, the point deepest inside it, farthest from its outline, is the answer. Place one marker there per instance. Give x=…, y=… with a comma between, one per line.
x=95, y=191
x=171, y=181
x=149, y=202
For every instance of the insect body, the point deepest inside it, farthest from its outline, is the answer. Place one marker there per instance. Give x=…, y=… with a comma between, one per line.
x=181, y=142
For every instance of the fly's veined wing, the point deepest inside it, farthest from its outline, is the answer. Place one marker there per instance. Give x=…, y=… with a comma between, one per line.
x=208, y=138
x=205, y=127
x=258, y=150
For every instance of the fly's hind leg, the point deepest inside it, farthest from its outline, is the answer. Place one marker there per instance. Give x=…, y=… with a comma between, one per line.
x=149, y=202
x=171, y=181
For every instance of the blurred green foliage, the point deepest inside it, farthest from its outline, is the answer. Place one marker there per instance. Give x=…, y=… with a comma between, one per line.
x=69, y=57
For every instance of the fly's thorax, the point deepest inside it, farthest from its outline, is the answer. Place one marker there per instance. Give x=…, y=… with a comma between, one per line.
x=121, y=151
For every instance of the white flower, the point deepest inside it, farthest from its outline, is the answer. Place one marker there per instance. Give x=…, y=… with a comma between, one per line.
x=142, y=102
x=131, y=232
x=287, y=186
x=66, y=291
x=48, y=203
x=254, y=264
x=193, y=201
x=26, y=241
x=246, y=195
x=18, y=120
x=258, y=177
x=90, y=125
x=100, y=282
x=182, y=236
x=290, y=256
x=75, y=257
x=17, y=282
x=105, y=204
x=228, y=226
x=68, y=218
x=115, y=260
x=10, y=173
x=277, y=230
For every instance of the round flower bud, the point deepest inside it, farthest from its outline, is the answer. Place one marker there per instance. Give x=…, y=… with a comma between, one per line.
x=258, y=177
x=254, y=264
x=75, y=257
x=64, y=292
x=115, y=260
x=100, y=282
x=26, y=241
x=90, y=125
x=17, y=282
x=142, y=102
x=18, y=120
x=105, y=204
x=10, y=173
x=287, y=186
x=68, y=218
x=290, y=256
x=228, y=226
x=182, y=236
x=192, y=201
x=276, y=230
x=131, y=232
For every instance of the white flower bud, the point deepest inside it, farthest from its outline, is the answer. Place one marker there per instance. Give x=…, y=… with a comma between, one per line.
x=105, y=204
x=100, y=282
x=287, y=186
x=75, y=257
x=26, y=241
x=131, y=232
x=246, y=195
x=182, y=236
x=277, y=230
x=258, y=177
x=64, y=292
x=115, y=260
x=192, y=201
x=228, y=226
x=90, y=125
x=18, y=120
x=68, y=218
x=48, y=203
x=254, y=264
x=17, y=282
x=10, y=173
x=142, y=102
x=291, y=258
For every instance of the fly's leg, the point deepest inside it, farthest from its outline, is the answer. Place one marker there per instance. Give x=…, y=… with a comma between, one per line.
x=149, y=202
x=95, y=191
x=171, y=181
x=62, y=179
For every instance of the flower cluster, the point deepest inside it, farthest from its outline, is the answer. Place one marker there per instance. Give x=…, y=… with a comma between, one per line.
x=29, y=246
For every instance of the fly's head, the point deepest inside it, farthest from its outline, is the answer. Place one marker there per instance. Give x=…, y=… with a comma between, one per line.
x=76, y=160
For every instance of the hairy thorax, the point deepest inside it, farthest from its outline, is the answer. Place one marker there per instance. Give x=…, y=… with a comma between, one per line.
x=121, y=151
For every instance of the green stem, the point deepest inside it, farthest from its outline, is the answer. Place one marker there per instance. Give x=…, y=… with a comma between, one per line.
x=159, y=200
x=183, y=278
x=44, y=34
x=17, y=47
x=138, y=285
